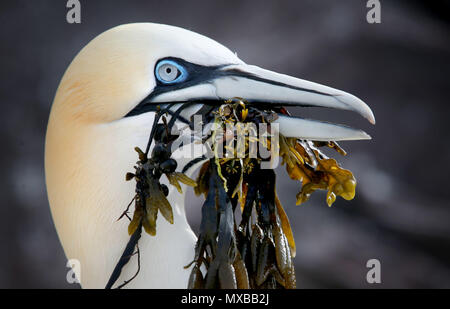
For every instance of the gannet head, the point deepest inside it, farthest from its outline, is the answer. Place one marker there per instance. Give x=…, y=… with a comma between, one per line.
x=104, y=107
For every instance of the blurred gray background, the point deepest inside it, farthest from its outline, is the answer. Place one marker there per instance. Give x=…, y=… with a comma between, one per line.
x=401, y=213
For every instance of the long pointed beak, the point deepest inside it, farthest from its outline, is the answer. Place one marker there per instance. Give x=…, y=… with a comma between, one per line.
x=260, y=86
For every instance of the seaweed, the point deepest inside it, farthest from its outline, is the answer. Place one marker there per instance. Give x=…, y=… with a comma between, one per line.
x=257, y=251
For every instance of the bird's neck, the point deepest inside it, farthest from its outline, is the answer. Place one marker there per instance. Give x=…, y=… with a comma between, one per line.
x=85, y=169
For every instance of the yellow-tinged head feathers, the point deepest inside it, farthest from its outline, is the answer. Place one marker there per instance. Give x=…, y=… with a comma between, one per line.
x=115, y=71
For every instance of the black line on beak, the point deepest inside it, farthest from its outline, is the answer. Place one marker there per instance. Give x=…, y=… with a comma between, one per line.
x=240, y=73
x=199, y=74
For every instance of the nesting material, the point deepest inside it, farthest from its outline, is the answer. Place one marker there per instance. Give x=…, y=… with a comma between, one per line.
x=257, y=251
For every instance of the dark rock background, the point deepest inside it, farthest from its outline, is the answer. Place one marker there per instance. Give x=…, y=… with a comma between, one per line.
x=401, y=213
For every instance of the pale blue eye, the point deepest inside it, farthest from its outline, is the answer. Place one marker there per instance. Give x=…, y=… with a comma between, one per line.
x=170, y=72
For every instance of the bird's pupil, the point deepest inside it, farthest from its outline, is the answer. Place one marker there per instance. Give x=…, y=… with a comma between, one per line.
x=168, y=72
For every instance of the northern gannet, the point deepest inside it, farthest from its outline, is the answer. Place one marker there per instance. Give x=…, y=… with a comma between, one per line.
x=104, y=107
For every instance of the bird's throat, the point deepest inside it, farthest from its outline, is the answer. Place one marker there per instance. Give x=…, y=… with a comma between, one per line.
x=88, y=193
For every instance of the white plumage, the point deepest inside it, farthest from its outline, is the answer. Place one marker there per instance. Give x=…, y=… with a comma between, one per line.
x=90, y=142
